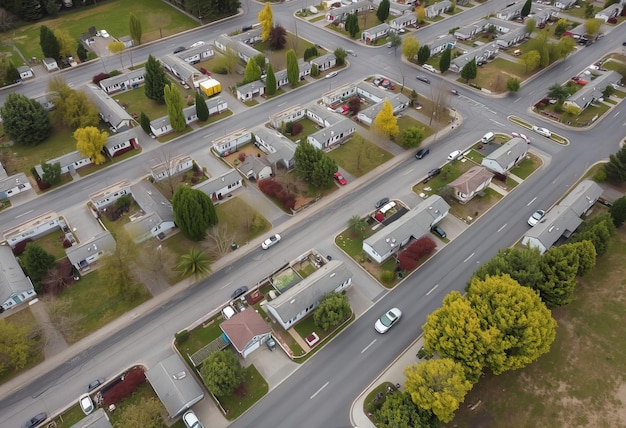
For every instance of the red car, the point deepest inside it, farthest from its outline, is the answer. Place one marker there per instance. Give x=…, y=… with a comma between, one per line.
x=340, y=179
x=579, y=80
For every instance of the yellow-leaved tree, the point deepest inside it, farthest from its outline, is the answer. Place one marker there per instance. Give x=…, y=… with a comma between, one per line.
x=410, y=46
x=420, y=14
x=90, y=141
x=266, y=19
x=385, y=122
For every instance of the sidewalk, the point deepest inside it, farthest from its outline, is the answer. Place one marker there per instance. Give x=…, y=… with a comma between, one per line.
x=394, y=374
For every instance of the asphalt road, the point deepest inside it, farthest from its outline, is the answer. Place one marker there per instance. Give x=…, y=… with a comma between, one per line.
x=321, y=391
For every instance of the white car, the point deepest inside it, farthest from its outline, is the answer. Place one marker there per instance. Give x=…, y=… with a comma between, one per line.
x=542, y=131
x=271, y=241
x=331, y=75
x=86, y=404
x=104, y=34
x=522, y=136
x=536, y=217
x=387, y=320
x=195, y=45
x=191, y=420
x=454, y=155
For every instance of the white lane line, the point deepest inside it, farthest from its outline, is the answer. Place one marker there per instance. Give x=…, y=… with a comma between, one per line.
x=496, y=122
x=615, y=115
x=368, y=346
x=432, y=289
x=533, y=200
x=318, y=391
x=21, y=215
x=468, y=257
x=208, y=135
x=503, y=226
x=282, y=104
x=225, y=285
x=409, y=171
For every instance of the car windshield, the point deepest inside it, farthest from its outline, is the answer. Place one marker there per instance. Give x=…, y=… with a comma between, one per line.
x=387, y=319
x=537, y=215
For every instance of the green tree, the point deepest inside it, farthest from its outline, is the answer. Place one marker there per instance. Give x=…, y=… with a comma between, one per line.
x=559, y=266
x=51, y=173
x=439, y=386
x=195, y=263
x=382, y=13
x=266, y=19
x=357, y=225
x=12, y=75
x=512, y=84
x=293, y=69
x=30, y=10
x=522, y=264
x=115, y=271
x=67, y=44
x=394, y=40
x=49, y=43
x=566, y=46
x=469, y=70
x=618, y=211
x=146, y=414
x=134, y=27
x=545, y=57
x=253, y=71
x=270, y=81
x=25, y=121
x=410, y=137
x=117, y=48
x=222, y=372
x=444, y=61
x=398, y=410
x=90, y=141
x=586, y=256
x=260, y=61
x=589, y=10
x=525, y=326
x=561, y=27
x=410, y=47
x=530, y=25
x=597, y=229
x=322, y=175
x=17, y=345
x=385, y=122
x=81, y=52
x=352, y=24
x=340, y=56
x=202, y=111
x=593, y=25
x=155, y=80
x=37, y=261
x=52, y=7
x=530, y=60
x=615, y=168
x=558, y=92
x=423, y=54
x=174, y=104
x=310, y=52
x=73, y=108
x=332, y=310
x=144, y=121
x=194, y=212
x=526, y=8
x=306, y=157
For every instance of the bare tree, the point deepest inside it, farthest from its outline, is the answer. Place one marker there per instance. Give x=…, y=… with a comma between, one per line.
x=54, y=281
x=157, y=261
x=165, y=159
x=66, y=321
x=219, y=240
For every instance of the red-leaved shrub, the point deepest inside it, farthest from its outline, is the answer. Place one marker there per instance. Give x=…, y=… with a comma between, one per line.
x=406, y=262
x=98, y=77
x=125, y=388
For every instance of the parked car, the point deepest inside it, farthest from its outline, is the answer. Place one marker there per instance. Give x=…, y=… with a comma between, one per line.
x=271, y=241
x=454, y=92
x=454, y=155
x=340, y=178
x=191, y=420
x=423, y=79
x=522, y=136
x=422, y=152
x=104, y=34
x=439, y=231
x=542, y=131
x=432, y=174
x=93, y=385
x=179, y=49
x=205, y=71
x=536, y=217
x=86, y=404
x=429, y=68
x=377, y=81
x=36, y=420
x=195, y=45
x=579, y=80
x=387, y=320
x=331, y=75
x=351, y=52
x=382, y=203
x=239, y=292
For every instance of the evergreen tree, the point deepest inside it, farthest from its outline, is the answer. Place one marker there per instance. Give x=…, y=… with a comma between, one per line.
x=31, y=10
x=194, y=212
x=174, y=104
x=51, y=173
x=201, y=108
x=155, y=80
x=253, y=71
x=81, y=52
x=423, y=54
x=50, y=46
x=526, y=8
x=37, y=261
x=25, y=121
x=469, y=70
x=270, y=81
x=382, y=13
x=559, y=266
x=134, y=25
x=144, y=121
x=352, y=24
x=293, y=69
x=12, y=74
x=444, y=61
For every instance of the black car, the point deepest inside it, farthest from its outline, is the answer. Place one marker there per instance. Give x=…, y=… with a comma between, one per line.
x=432, y=174
x=423, y=79
x=421, y=153
x=179, y=49
x=93, y=385
x=36, y=420
x=239, y=292
x=382, y=202
x=439, y=231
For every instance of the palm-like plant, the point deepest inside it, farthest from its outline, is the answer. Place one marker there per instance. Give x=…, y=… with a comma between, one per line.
x=195, y=263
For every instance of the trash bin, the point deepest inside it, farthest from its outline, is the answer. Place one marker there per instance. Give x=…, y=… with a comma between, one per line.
x=234, y=246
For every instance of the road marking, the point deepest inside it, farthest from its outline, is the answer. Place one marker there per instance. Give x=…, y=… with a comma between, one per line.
x=318, y=391
x=409, y=171
x=208, y=135
x=432, y=289
x=226, y=285
x=468, y=257
x=282, y=104
x=368, y=346
x=615, y=115
x=21, y=215
x=534, y=199
x=495, y=121
x=503, y=226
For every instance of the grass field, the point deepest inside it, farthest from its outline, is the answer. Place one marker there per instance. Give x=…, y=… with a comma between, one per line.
x=25, y=318
x=359, y=156
x=580, y=382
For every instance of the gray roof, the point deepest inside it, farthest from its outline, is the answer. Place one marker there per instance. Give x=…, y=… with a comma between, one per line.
x=254, y=164
x=183, y=68
x=216, y=183
x=324, y=113
x=198, y=50
x=593, y=89
x=97, y=419
x=103, y=241
x=122, y=137
x=509, y=152
x=64, y=161
x=109, y=109
x=251, y=87
x=175, y=385
x=311, y=289
x=582, y=197
x=123, y=77
x=378, y=28
x=559, y=221
x=410, y=17
x=460, y=61
x=416, y=223
x=329, y=57
x=7, y=183
x=150, y=200
x=12, y=278
x=344, y=126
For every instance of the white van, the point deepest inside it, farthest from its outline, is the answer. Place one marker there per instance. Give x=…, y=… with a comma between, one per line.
x=429, y=68
x=488, y=138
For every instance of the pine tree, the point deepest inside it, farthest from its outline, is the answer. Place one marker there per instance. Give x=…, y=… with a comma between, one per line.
x=423, y=54
x=174, y=104
x=526, y=8
x=155, y=80
x=25, y=121
x=201, y=108
x=253, y=71
x=444, y=61
x=293, y=69
x=144, y=121
x=134, y=25
x=270, y=81
x=382, y=13
x=469, y=70
x=50, y=46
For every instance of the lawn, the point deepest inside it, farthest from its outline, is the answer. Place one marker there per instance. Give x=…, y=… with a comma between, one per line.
x=158, y=20
x=527, y=166
x=308, y=128
x=199, y=337
x=358, y=156
x=253, y=388
x=25, y=318
x=580, y=381
x=406, y=121
x=278, y=58
x=135, y=101
x=476, y=207
x=493, y=75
